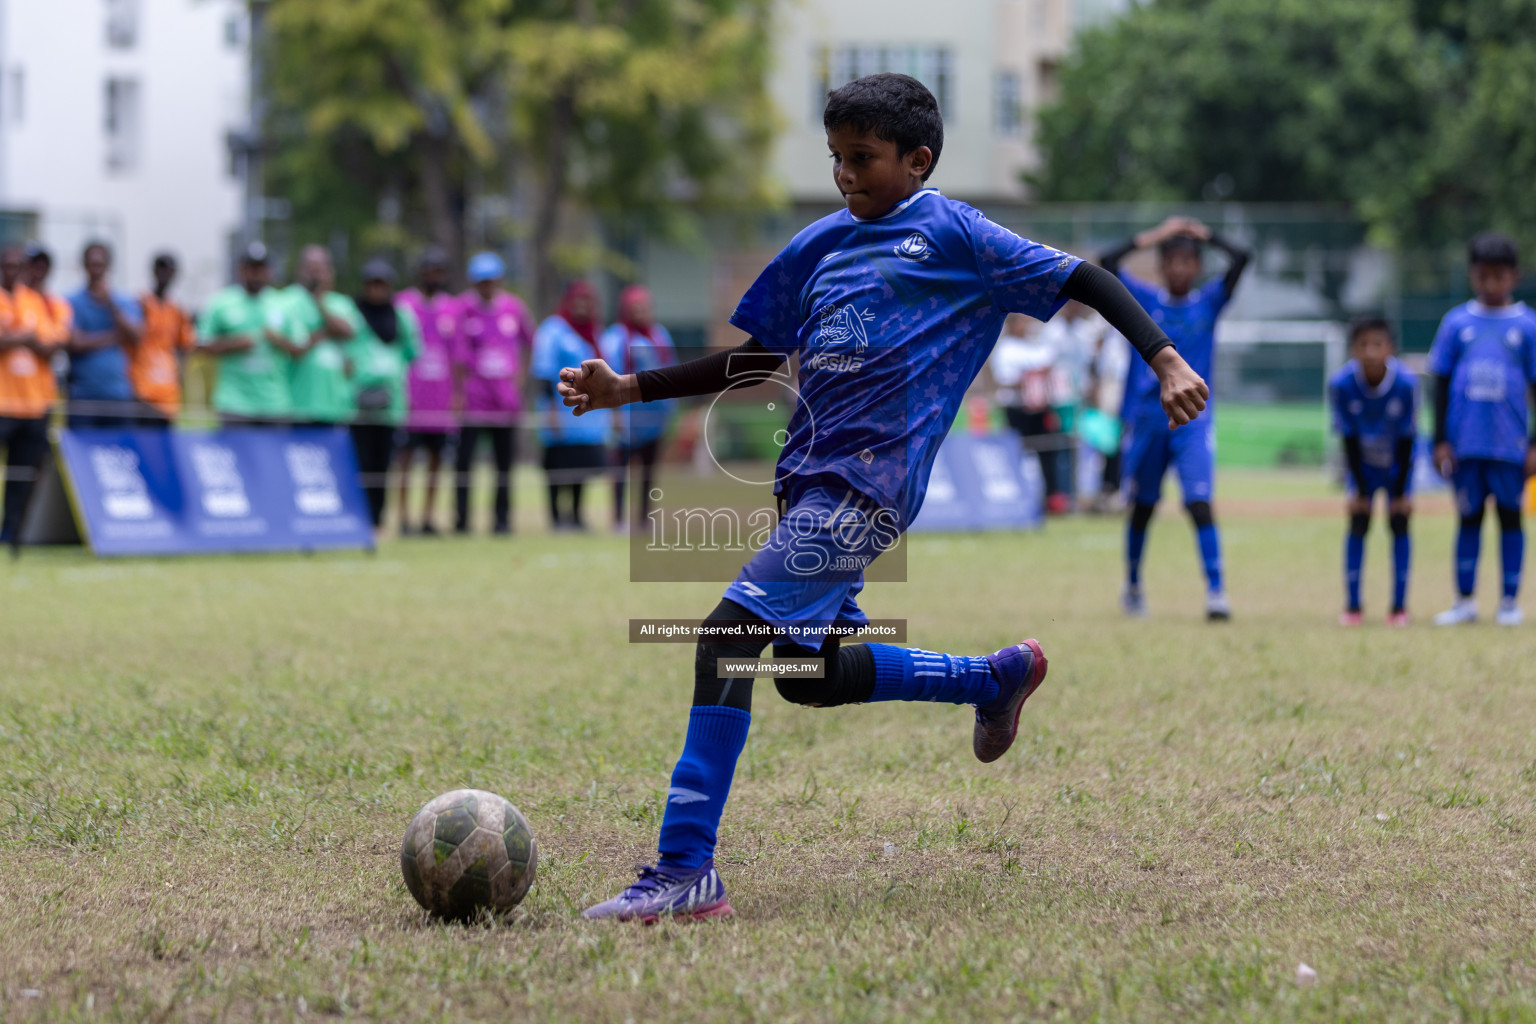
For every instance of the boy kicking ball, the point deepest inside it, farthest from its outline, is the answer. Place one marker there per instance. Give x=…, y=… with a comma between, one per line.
x=1374, y=412
x=892, y=306
x=1484, y=363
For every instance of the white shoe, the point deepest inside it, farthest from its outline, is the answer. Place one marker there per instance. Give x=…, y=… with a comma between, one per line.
x=1217, y=607
x=1132, y=603
x=1509, y=613
x=1461, y=613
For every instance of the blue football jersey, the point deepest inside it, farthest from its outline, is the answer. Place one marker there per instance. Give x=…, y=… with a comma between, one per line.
x=1489, y=356
x=892, y=318
x=1379, y=416
x=1190, y=323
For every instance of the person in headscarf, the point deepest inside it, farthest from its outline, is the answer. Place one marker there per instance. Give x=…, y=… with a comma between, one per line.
x=495, y=336
x=380, y=353
x=574, y=447
x=431, y=423
x=637, y=342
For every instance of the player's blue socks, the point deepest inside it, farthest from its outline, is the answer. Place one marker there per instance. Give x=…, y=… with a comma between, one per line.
x=1469, y=541
x=1512, y=552
x=1402, y=552
x=909, y=673
x=1210, y=554
x=700, y=783
x=1354, y=556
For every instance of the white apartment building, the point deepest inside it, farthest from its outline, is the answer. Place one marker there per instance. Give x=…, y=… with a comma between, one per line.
x=115, y=117
x=990, y=63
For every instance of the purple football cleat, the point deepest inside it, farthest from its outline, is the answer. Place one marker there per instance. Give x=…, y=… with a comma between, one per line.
x=692, y=896
x=1019, y=670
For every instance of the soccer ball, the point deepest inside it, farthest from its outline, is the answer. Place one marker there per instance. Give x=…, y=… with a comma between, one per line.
x=467, y=850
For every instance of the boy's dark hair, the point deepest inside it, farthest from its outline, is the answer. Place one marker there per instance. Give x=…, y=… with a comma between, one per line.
x=1363, y=324
x=164, y=259
x=1179, y=243
x=896, y=108
x=106, y=250
x=1492, y=247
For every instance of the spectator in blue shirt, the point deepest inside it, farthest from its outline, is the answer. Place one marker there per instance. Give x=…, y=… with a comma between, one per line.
x=106, y=323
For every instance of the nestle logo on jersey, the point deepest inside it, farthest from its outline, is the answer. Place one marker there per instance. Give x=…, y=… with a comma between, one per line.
x=914, y=248
x=842, y=326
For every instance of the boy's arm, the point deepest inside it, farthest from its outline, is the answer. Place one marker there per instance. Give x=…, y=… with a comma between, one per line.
x=595, y=385
x=1403, y=461
x=1184, y=394
x=1354, y=458
x=1237, y=262
x=1169, y=228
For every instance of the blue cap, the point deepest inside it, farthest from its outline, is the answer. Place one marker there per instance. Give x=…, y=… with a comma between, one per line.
x=486, y=266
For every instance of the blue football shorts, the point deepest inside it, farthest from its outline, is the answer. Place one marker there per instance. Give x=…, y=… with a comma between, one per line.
x=1476, y=479
x=808, y=575
x=1151, y=448
x=1378, y=479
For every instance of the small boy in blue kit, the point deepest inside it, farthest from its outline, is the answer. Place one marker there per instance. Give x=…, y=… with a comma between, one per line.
x=892, y=306
x=1484, y=363
x=1188, y=313
x=1374, y=413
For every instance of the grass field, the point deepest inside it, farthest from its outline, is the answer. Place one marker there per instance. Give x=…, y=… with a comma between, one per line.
x=206, y=767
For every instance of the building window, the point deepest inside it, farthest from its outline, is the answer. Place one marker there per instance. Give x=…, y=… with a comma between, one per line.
x=122, y=24
x=833, y=66
x=122, y=125
x=1049, y=80
x=234, y=31
x=1009, y=105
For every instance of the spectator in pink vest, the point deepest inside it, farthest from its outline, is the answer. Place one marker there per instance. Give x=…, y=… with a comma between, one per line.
x=490, y=376
x=432, y=421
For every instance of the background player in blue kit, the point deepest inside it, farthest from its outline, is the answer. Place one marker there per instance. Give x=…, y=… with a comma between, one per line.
x=1484, y=362
x=1188, y=314
x=1374, y=412
x=892, y=306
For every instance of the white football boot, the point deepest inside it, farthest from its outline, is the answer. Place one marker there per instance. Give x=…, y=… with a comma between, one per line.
x=1510, y=613
x=1462, y=613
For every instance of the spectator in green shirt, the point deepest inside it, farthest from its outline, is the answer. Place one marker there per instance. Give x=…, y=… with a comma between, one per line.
x=319, y=320
x=388, y=338
x=246, y=327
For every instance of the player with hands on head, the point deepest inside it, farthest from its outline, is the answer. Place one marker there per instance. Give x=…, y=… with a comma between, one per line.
x=928, y=281
x=1375, y=409
x=1484, y=364
x=1188, y=314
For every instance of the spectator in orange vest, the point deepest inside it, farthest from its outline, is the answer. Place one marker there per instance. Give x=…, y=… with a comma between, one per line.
x=28, y=339
x=155, y=363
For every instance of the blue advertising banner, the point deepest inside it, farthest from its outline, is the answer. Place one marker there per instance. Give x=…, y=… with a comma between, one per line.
x=982, y=482
x=139, y=491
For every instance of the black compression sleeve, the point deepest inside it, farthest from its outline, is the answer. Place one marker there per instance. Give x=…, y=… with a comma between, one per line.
x=1402, y=458
x=1237, y=261
x=1442, y=405
x=1110, y=261
x=1354, y=458
x=709, y=375
x=1100, y=290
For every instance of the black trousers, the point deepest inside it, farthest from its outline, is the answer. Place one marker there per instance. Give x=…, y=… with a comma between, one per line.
x=25, y=439
x=503, y=450
x=375, y=446
x=645, y=454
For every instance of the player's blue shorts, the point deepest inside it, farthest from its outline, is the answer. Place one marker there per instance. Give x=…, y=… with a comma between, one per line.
x=1151, y=447
x=1378, y=479
x=808, y=575
x=1476, y=479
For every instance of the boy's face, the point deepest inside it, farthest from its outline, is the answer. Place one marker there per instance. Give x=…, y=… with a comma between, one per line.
x=868, y=172
x=1180, y=268
x=1372, y=348
x=1493, y=283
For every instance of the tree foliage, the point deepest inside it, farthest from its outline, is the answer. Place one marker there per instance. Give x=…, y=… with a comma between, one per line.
x=1416, y=112
x=632, y=112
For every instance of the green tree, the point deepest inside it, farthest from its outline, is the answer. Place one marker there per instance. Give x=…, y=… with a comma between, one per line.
x=635, y=113
x=1409, y=110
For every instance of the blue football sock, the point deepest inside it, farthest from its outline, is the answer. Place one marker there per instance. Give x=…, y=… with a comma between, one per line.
x=1354, y=555
x=1402, y=554
x=1468, y=541
x=1210, y=554
x=908, y=673
x=1512, y=552
x=700, y=783
x=1135, y=544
